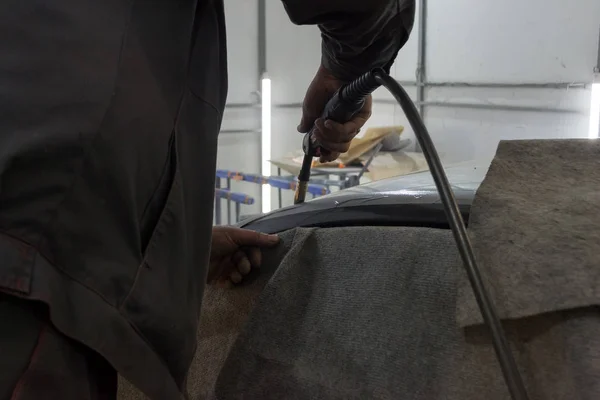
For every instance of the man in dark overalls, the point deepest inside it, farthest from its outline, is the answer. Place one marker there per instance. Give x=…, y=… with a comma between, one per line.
x=109, y=116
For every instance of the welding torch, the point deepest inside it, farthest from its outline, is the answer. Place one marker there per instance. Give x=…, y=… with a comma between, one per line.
x=341, y=108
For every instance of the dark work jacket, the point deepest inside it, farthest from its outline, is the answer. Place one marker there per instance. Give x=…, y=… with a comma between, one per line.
x=109, y=117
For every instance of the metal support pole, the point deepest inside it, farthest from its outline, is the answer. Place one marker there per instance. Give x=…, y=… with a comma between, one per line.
x=242, y=105
x=507, y=85
x=236, y=131
x=365, y=168
x=596, y=81
x=503, y=107
x=229, y=203
x=279, y=189
x=421, y=61
x=421, y=55
x=262, y=66
x=262, y=38
x=237, y=212
x=597, y=69
x=218, y=204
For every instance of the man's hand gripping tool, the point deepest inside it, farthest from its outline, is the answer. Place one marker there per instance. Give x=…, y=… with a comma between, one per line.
x=341, y=108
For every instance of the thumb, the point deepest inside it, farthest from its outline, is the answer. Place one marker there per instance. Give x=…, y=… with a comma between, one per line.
x=317, y=96
x=245, y=237
x=304, y=126
x=320, y=90
x=308, y=119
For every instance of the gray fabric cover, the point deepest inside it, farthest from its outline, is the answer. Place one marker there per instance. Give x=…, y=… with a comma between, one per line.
x=535, y=227
x=341, y=316
x=377, y=320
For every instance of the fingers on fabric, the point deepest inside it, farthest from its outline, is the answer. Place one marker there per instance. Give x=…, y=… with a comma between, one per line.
x=220, y=271
x=245, y=237
x=242, y=263
x=235, y=277
x=255, y=256
x=241, y=254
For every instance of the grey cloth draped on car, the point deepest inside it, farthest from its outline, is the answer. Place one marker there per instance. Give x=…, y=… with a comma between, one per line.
x=378, y=320
x=387, y=312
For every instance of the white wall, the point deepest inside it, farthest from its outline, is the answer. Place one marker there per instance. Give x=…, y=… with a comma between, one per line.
x=511, y=41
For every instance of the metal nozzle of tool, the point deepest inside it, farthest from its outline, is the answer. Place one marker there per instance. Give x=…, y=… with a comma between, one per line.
x=341, y=108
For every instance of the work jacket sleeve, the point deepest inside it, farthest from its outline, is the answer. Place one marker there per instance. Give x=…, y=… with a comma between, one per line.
x=357, y=35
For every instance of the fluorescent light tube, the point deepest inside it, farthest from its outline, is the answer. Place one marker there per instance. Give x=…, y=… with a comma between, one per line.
x=595, y=112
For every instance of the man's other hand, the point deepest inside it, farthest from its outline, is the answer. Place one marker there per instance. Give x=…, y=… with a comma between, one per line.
x=234, y=252
x=331, y=135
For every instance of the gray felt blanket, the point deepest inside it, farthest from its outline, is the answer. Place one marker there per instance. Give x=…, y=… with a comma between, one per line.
x=377, y=320
x=387, y=313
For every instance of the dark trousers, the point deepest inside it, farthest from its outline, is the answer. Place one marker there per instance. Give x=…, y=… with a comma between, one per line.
x=38, y=362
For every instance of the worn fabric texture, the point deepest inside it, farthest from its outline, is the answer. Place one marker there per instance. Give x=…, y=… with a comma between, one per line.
x=535, y=227
x=371, y=313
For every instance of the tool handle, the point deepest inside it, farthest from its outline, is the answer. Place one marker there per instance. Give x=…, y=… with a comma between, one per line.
x=341, y=108
x=338, y=109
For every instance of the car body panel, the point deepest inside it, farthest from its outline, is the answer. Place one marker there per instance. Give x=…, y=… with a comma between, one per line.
x=408, y=200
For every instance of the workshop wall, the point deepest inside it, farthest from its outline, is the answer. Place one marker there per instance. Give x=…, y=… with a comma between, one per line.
x=512, y=41
x=473, y=41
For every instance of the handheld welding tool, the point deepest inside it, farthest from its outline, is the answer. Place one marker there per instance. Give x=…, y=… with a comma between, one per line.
x=341, y=108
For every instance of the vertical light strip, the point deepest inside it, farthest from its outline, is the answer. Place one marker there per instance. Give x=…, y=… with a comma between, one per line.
x=265, y=140
x=595, y=112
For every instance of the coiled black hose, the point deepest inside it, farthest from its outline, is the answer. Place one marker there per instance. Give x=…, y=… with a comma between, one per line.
x=509, y=368
x=341, y=108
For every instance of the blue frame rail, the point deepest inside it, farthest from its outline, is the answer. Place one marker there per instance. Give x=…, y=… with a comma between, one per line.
x=317, y=188
x=234, y=196
x=237, y=198
x=275, y=181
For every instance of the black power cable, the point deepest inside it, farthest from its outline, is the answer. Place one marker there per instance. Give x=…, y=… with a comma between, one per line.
x=509, y=368
x=342, y=107
x=344, y=104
